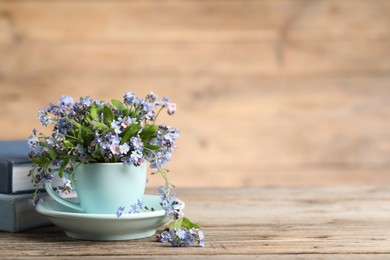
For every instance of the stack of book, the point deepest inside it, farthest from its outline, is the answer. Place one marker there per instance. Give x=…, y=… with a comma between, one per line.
x=17, y=212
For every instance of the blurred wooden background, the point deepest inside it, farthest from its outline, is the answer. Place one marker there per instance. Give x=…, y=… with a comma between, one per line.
x=269, y=92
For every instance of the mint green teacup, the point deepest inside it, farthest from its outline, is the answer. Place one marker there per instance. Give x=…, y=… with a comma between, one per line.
x=103, y=187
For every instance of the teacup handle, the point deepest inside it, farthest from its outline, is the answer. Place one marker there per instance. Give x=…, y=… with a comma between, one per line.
x=59, y=199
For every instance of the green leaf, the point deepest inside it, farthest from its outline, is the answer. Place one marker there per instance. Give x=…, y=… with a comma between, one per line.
x=130, y=131
x=94, y=111
x=126, y=112
x=152, y=147
x=108, y=115
x=89, y=119
x=176, y=224
x=52, y=153
x=87, y=134
x=149, y=132
x=39, y=160
x=118, y=105
x=188, y=224
x=100, y=126
x=87, y=130
x=76, y=124
x=62, y=168
x=133, y=112
x=68, y=143
x=96, y=153
x=183, y=223
x=80, y=136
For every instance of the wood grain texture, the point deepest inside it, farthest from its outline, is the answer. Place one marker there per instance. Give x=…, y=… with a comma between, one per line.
x=341, y=222
x=268, y=92
x=193, y=20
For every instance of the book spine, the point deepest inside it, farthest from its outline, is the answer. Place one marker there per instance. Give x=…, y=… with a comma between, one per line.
x=7, y=215
x=26, y=217
x=18, y=214
x=6, y=176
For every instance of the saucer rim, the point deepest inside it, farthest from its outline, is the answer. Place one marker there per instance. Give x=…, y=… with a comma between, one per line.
x=142, y=215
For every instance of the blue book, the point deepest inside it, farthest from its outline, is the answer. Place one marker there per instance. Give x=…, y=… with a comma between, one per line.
x=17, y=213
x=14, y=167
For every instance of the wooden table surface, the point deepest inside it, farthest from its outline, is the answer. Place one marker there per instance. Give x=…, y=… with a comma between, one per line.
x=345, y=222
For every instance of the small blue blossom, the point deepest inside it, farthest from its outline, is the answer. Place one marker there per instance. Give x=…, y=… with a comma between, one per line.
x=114, y=148
x=124, y=148
x=116, y=125
x=36, y=202
x=164, y=101
x=175, y=242
x=136, y=158
x=67, y=183
x=105, y=144
x=66, y=188
x=168, y=139
x=49, y=141
x=152, y=99
x=126, y=160
x=190, y=236
x=180, y=233
x=87, y=101
x=126, y=122
x=165, y=237
x=79, y=150
x=33, y=141
x=43, y=117
x=100, y=103
x=165, y=203
x=56, y=110
x=114, y=139
x=163, y=191
x=130, y=98
x=136, y=207
x=171, y=108
x=65, y=101
x=201, y=238
x=119, y=211
x=146, y=110
x=171, y=205
x=63, y=126
x=57, y=163
x=137, y=143
x=43, y=177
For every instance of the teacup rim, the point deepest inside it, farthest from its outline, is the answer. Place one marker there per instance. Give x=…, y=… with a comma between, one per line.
x=111, y=163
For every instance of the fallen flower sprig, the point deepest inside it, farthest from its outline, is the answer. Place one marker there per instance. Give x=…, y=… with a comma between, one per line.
x=181, y=232
x=182, y=237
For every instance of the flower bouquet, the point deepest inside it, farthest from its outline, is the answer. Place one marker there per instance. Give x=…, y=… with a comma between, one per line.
x=101, y=149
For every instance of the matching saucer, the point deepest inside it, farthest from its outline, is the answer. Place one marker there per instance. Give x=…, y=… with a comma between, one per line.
x=85, y=226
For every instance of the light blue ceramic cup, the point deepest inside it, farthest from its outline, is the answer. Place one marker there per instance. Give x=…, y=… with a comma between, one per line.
x=103, y=187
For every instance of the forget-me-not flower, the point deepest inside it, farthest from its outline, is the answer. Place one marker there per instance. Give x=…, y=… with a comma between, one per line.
x=124, y=148
x=136, y=207
x=65, y=101
x=130, y=98
x=137, y=143
x=119, y=211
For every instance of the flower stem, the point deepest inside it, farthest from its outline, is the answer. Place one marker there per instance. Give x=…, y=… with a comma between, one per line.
x=158, y=112
x=168, y=184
